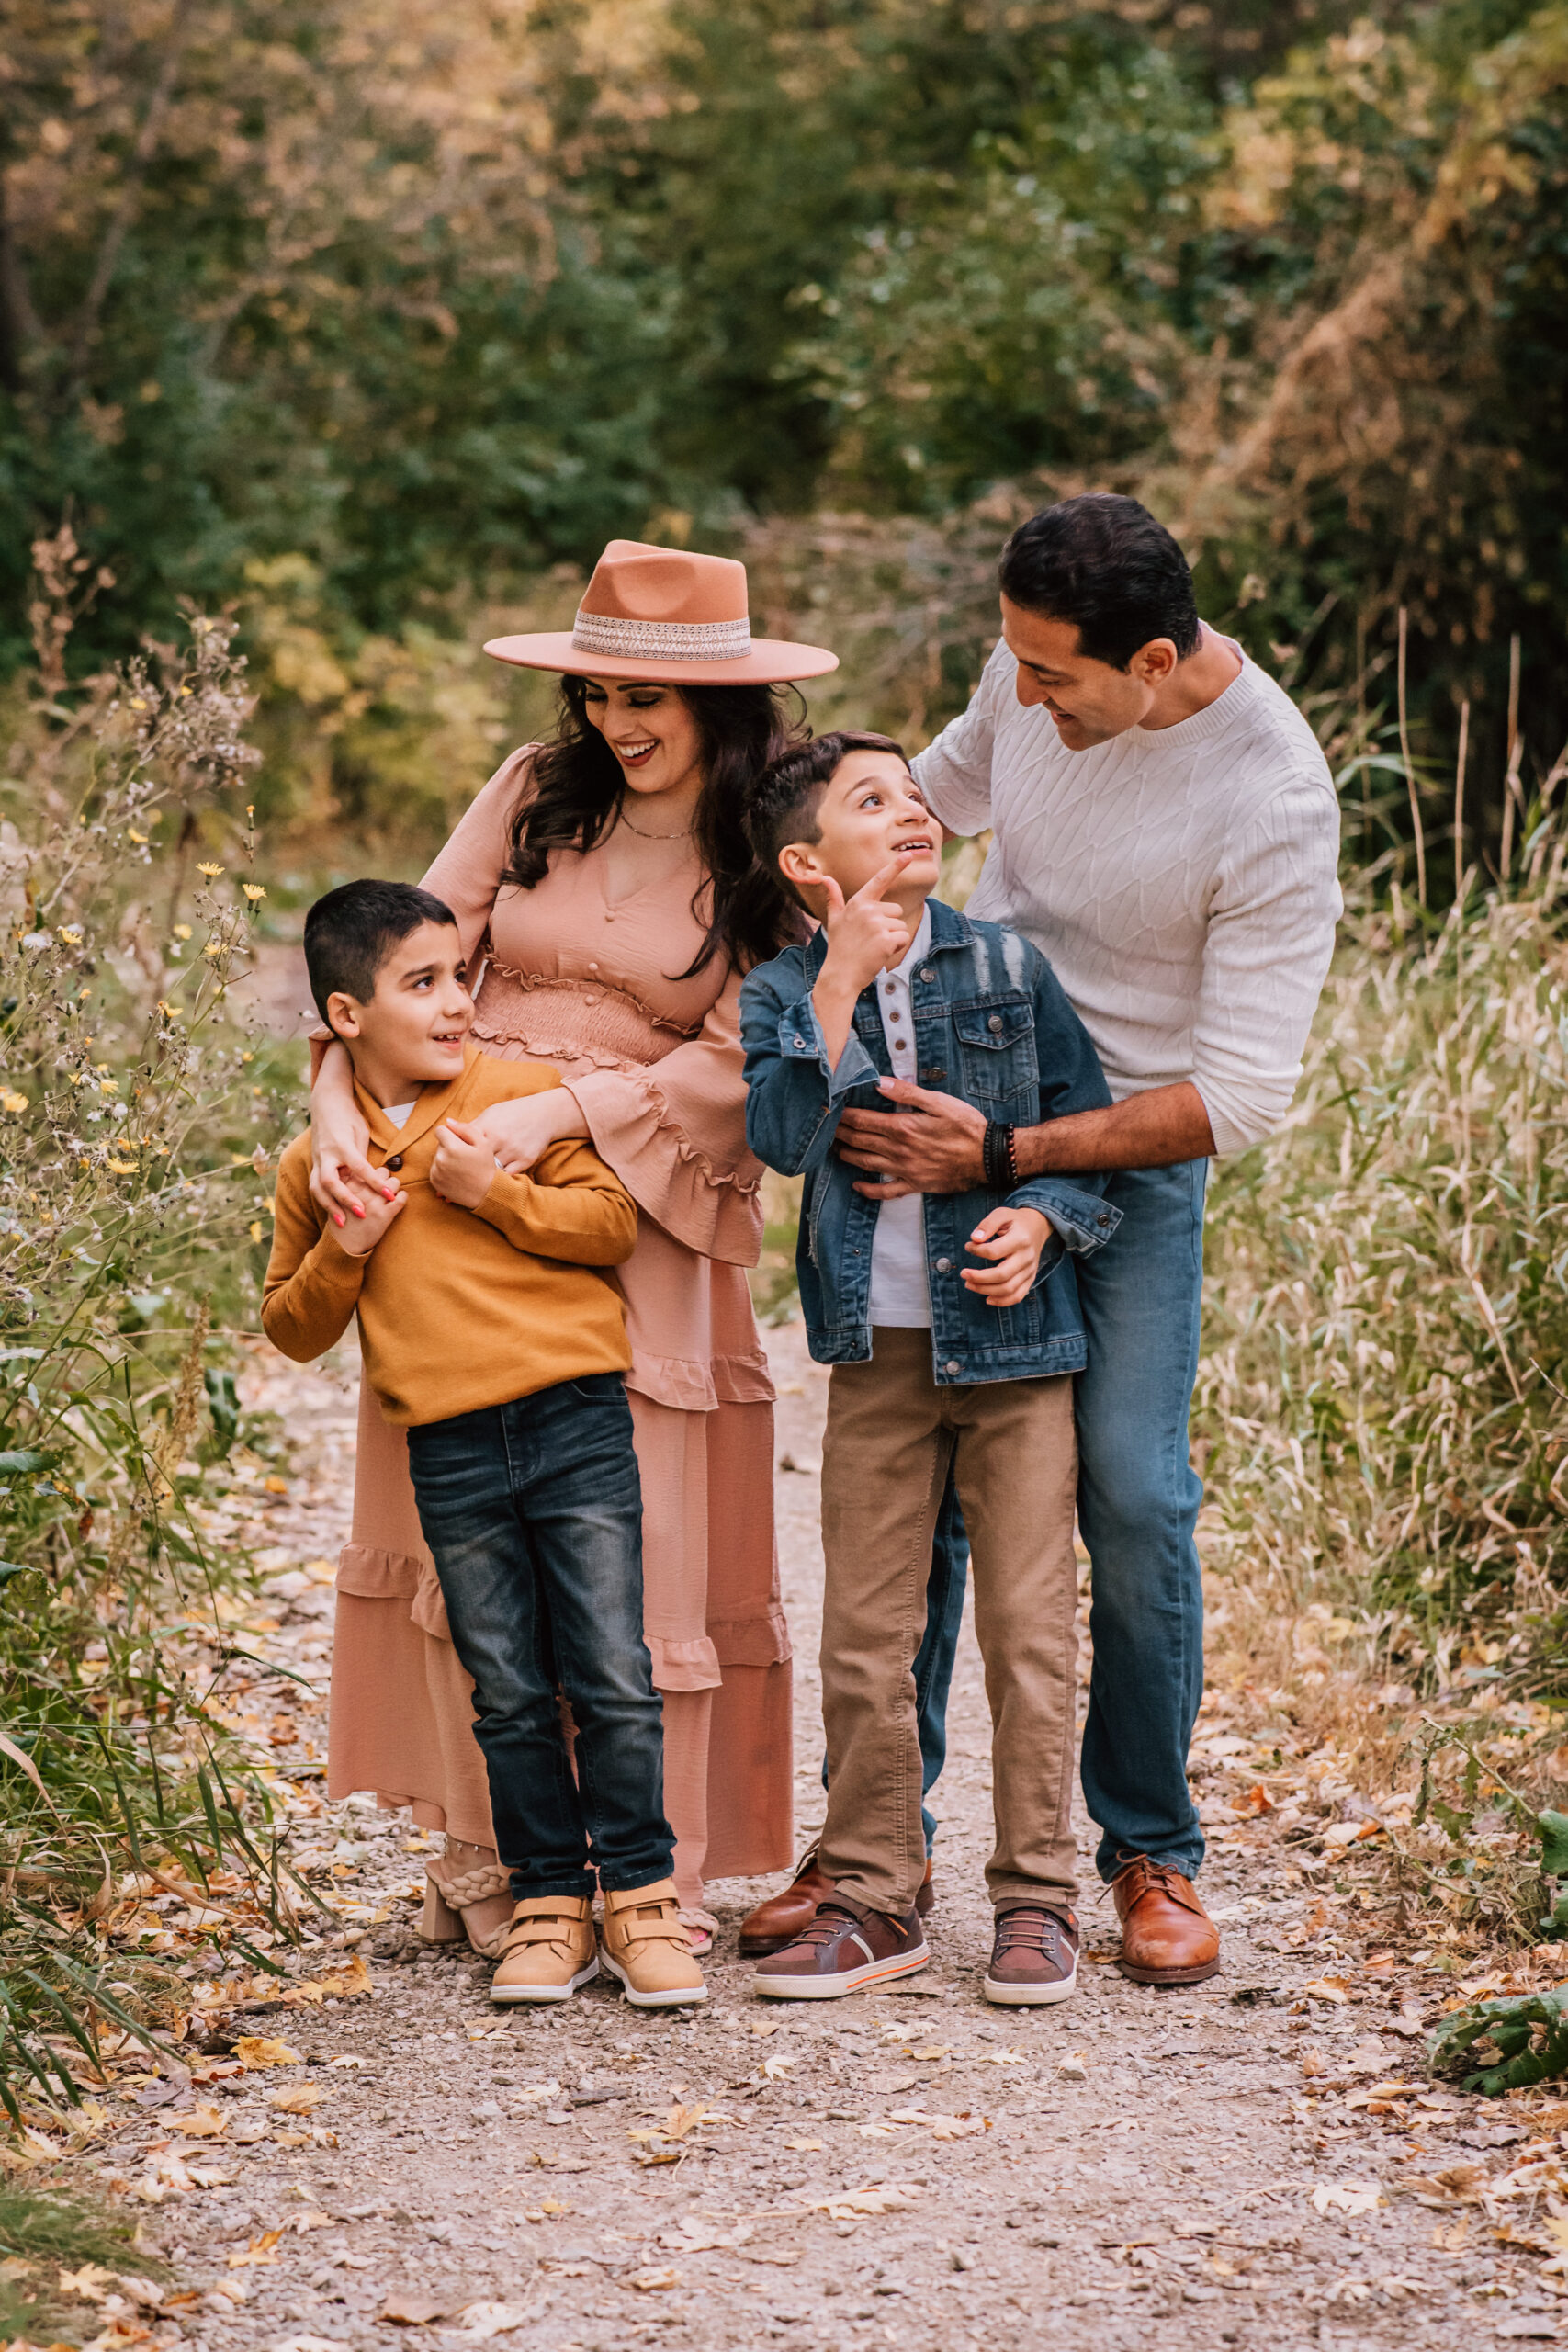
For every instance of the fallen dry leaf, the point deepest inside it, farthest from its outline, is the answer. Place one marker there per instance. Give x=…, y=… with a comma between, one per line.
x=258, y=2254
x=1336, y=1990
x=804, y=2147
x=681, y=2120
x=91, y=2284
x=303, y=2098
x=943, y=2126
x=653, y=2282
x=258, y=2051
x=775, y=2069
x=1455, y=2185
x=411, y=2307
x=1347, y=2197
x=205, y=2122
x=898, y=2196
x=481, y=2321
x=351, y=1984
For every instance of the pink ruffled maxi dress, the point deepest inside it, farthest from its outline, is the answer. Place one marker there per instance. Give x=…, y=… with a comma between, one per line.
x=655, y=1064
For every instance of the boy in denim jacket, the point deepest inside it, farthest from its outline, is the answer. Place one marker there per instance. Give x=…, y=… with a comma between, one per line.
x=951, y=1323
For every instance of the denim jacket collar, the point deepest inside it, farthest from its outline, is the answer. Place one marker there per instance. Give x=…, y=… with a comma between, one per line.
x=949, y=928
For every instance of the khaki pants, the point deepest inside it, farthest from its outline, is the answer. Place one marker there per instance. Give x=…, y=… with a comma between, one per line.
x=891, y=1435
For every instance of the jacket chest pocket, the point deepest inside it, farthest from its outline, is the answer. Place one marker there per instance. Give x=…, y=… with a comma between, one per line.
x=996, y=1048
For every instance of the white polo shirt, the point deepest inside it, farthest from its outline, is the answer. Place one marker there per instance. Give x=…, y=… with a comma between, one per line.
x=900, y=1291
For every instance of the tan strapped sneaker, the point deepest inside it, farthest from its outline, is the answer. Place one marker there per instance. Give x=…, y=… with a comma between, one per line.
x=548, y=1951
x=648, y=1949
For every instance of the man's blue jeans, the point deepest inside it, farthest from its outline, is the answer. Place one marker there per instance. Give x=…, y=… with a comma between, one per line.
x=533, y=1512
x=1138, y=1498
x=939, y=1646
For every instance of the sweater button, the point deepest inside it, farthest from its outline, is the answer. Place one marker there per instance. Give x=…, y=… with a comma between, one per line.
x=945, y=1265
x=396, y=1162
x=950, y=1368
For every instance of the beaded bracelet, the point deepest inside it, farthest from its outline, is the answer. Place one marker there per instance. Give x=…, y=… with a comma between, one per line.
x=999, y=1157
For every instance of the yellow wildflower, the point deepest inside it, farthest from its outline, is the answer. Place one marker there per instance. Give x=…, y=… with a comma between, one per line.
x=213, y=947
x=211, y=871
x=255, y=1229
x=121, y=1167
x=182, y=931
x=139, y=839
x=252, y=891
x=13, y=1102
x=69, y=933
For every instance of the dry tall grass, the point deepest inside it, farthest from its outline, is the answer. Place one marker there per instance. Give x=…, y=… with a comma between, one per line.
x=1379, y=1411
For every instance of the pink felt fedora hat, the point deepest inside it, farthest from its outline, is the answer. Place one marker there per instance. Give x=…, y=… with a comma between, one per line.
x=663, y=613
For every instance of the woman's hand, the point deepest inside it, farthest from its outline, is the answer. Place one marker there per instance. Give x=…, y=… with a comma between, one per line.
x=520, y=1133
x=339, y=1137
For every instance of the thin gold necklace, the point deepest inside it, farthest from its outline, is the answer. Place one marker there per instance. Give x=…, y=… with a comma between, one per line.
x=684, y=835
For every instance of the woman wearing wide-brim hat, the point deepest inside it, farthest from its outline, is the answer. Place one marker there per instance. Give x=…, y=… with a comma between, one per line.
x=604, y=888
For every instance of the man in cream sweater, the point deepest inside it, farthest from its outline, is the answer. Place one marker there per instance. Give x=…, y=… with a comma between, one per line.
x=1164, y=829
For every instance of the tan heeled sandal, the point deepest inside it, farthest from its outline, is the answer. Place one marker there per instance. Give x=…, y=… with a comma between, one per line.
x=466, y=1892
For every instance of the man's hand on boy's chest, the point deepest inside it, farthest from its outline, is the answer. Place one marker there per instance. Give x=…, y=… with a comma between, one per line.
x=925, y=1143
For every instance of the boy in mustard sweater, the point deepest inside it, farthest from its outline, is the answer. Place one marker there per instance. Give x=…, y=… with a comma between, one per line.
x=491, y=1335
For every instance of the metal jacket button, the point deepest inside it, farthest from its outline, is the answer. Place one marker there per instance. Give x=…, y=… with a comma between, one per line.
x=1102, y=1220
x=950, y=1368
x=396, y=1162
x=928, y=974
x=995, y=1025
x=945, y=1265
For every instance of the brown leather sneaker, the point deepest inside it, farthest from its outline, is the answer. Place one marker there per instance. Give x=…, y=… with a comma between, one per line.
x=1034, y=1957
x=780, y=1919
x=845, y=1946
x=1167, y=1937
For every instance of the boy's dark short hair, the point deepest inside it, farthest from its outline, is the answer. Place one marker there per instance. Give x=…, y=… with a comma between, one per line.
x=786, y=798
x=350, y=932
x=1104, y=563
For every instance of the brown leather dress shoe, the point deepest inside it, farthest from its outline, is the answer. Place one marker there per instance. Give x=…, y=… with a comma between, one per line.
x=781, y=1917
x=1167, y=1937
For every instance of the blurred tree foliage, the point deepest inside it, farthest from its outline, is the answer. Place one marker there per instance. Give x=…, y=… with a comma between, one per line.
x=367, y=313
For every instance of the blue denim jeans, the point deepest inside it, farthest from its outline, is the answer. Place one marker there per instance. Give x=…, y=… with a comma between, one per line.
x=533, y=1513
x=1138, y=1498
x=939, y=1646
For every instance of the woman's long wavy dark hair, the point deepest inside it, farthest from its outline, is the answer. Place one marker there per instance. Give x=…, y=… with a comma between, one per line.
x=744, y=912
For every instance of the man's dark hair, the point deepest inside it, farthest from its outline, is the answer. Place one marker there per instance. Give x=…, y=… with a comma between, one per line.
x=1103, y=562
x=784, y=802
x=350, y=933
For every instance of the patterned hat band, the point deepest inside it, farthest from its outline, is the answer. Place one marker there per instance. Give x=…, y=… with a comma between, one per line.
x=616, y=639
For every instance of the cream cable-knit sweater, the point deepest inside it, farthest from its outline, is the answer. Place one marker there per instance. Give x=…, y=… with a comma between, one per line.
x=1182, y=882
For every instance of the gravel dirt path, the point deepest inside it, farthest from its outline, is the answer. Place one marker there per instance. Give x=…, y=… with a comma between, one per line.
x=1234, y=2162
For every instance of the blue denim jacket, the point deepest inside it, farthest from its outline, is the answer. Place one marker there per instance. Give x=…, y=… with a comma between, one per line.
x=993, y=1027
